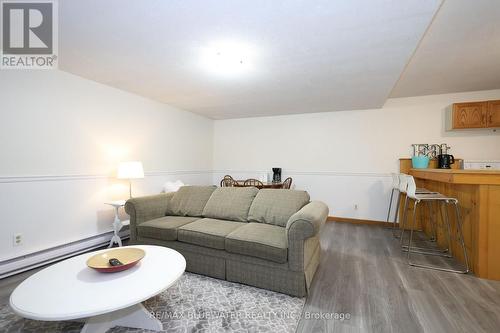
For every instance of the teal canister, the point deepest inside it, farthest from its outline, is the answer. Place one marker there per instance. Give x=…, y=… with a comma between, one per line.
x=420, y=162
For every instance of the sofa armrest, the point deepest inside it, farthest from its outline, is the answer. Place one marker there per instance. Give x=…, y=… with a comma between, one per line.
x=307, y=221
x=146, y=208
x=302, y=225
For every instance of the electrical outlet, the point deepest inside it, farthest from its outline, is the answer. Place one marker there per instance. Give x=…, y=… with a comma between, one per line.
x=355, y=206
x=18, y=239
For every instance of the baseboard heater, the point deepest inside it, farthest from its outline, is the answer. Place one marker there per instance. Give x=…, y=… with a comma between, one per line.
x=33, y=260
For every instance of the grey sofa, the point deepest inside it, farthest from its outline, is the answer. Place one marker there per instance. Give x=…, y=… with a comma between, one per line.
x=265, y=238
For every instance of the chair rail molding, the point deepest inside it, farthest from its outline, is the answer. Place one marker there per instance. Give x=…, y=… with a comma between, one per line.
x=307, y=173
x=83, y=176
x=66, y=177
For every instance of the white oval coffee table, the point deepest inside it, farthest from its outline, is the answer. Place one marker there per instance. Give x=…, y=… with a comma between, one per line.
x=69, y=290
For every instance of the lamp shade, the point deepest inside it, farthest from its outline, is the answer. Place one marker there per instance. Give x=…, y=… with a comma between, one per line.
x=130, y=170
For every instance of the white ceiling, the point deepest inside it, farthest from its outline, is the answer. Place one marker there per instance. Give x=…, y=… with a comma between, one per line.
x=310, y=56
x=460, y=51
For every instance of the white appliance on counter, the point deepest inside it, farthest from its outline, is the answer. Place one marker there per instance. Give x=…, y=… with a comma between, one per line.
x=481, y=165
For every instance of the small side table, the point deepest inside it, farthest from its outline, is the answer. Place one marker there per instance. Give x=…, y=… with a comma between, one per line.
x=117, y=223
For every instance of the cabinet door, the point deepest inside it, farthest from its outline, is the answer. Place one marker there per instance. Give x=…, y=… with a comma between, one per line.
x=493, y=117
x=470, y=115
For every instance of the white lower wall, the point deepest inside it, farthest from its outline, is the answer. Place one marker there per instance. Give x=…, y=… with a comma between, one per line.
x=340, y=191
x=50, y=211
x=61, y=139
x=345, y=158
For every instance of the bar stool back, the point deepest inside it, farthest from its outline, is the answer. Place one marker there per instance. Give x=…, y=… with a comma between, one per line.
x=403, y=186
x=395, y=188
x=399, y=185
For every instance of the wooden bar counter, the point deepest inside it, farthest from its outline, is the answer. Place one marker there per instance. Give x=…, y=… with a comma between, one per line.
x=478, y=192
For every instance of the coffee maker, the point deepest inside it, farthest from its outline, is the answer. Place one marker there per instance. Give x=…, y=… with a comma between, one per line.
x=276, y=175
x=445, y=160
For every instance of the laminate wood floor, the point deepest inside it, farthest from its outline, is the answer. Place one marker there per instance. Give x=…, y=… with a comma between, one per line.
x=364, y=273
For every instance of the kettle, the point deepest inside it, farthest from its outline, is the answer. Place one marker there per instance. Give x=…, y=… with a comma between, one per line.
x=445, y=161
x=276, y=175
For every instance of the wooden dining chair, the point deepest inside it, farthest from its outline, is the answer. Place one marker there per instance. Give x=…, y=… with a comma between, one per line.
x=253, y=182
x=227, y=181
x=287, y=183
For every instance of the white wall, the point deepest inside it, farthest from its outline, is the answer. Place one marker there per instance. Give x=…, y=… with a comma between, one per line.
x=61, y=139
x=344, y=158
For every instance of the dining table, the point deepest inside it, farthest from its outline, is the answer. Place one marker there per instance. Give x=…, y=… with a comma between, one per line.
x=271, y=185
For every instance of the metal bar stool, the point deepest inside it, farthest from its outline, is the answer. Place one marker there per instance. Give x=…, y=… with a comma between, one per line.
x=444, y=200
x=399, y=185
x=403, y=185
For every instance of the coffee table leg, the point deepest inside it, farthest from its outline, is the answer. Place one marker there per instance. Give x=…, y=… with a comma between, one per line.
x=135, y=316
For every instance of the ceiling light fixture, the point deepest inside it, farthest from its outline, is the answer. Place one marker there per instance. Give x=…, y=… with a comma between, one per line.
x=227, y=59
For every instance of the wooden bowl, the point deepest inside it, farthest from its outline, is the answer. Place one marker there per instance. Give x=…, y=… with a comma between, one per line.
x=128, y=256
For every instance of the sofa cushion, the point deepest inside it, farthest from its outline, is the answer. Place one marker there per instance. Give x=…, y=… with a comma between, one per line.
x=275, y=207
x=163, y=228
x=190, y=200
x=207, y=232
x=259, y=240
x=230, y=203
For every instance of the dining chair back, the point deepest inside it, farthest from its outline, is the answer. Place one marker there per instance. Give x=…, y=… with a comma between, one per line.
x=227, y=181
x=287, y=184
x=253, y=182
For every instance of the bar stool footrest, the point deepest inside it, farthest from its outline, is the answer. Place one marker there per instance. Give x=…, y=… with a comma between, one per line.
x=465, y=271
x=437, y=254
x=404, y=248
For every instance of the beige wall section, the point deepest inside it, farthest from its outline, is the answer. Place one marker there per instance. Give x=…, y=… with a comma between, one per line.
x=350, y=141
x=71, y=133
x=344, y=158
x=56, y=123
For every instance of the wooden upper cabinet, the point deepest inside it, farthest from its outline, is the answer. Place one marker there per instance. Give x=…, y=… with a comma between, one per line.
x=469, y=115
x=493, y=114
x=476, y=115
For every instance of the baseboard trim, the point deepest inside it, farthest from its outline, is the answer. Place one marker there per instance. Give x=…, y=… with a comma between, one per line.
x=30, y=261
x=358, y=221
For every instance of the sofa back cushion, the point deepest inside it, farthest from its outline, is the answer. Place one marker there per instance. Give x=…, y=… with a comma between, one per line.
x=275, y=207
x=190, y=200
x=230, y=203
